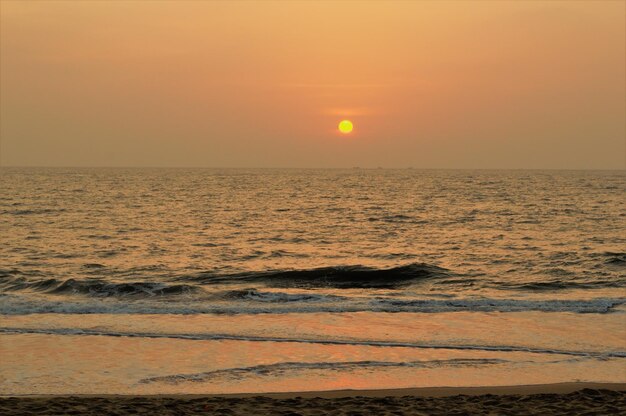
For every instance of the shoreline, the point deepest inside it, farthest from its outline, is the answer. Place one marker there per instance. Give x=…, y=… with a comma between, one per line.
x=444, y=391
x=544, y=399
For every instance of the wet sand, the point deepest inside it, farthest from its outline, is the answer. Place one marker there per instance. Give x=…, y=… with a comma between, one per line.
x=551, y=399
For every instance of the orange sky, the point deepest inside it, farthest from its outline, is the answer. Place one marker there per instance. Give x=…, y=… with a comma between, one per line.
x=450, y=84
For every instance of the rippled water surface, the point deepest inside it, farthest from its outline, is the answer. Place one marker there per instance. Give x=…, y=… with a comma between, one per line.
x=309, y=279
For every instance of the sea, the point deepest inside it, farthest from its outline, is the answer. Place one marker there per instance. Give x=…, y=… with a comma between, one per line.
x=170, y=281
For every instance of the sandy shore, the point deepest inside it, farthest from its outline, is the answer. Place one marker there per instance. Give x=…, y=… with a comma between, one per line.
x=551, y=399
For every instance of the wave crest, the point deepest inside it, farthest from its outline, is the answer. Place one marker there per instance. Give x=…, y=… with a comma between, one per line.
x=338, y=277
x=98, y=288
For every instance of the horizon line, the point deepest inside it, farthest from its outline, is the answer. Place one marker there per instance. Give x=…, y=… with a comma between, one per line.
x=303, y=168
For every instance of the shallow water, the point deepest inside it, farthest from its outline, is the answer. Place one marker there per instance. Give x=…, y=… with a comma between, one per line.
x=172, y=280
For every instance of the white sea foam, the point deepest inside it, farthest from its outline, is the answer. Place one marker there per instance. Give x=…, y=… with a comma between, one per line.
x=280, y=303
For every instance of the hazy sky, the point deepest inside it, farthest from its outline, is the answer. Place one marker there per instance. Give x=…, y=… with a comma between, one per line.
x=450, y=84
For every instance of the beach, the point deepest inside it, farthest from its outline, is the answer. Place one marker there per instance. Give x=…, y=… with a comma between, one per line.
x=552, y=399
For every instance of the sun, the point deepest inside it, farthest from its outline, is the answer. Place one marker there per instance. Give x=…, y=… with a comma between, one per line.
x=345, y=126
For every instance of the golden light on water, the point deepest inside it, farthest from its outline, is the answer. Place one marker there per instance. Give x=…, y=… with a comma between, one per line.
x=345, y=126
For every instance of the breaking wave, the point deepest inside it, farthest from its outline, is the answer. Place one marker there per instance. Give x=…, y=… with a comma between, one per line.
x=97, y=288
x=282, y=303
x=338, y=277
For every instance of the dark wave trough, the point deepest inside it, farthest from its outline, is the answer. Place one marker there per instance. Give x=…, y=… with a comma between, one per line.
x=338, y=277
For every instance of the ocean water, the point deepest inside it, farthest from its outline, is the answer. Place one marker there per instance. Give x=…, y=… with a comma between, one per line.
x=220, y=281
